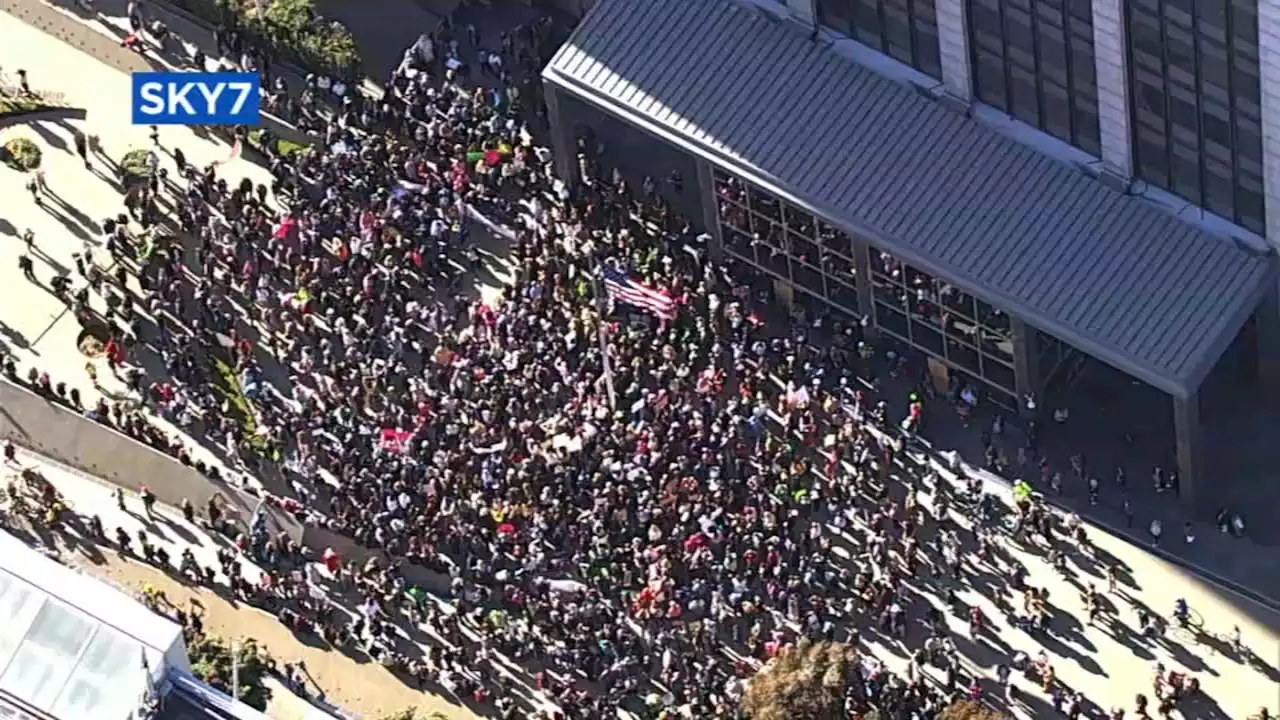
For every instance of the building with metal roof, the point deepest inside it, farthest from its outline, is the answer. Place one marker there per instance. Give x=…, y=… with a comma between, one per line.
x=886, y=199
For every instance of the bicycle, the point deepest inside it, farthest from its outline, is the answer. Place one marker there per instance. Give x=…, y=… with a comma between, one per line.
x=1188, y=629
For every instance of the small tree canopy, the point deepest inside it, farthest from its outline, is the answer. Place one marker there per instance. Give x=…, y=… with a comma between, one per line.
x=807, y=682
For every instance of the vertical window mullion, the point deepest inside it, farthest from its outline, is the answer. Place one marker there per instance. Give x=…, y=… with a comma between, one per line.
x=1004, y=60
x=1068, y=49
x=1034, y=16
x=1201, y=165
x=1232, y=112
x=911, y=34
x=1165, y=83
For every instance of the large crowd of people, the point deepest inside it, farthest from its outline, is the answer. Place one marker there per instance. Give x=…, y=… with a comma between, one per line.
x=638, y=509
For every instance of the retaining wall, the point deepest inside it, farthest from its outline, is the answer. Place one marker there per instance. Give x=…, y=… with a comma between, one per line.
x=30, y=421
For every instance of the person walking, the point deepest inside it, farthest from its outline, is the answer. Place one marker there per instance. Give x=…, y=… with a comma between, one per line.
x=82, y=149
x=1156, y=528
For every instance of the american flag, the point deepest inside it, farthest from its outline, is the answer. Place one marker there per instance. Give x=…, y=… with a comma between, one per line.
x=622, y=288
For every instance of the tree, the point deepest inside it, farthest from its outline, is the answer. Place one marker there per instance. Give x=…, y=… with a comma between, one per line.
x=211, y=661
x=807, y=681
x=970, y=710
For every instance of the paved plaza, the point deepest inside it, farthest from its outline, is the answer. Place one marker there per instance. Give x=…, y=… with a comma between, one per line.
x=1106, y=662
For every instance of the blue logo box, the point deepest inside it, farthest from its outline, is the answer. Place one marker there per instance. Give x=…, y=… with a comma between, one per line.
x=196, y=98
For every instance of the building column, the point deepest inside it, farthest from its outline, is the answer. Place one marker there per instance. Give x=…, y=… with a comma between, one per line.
x=1026, y=370
x=1190, y=436
x=866, y=295
x=1267, y=324
x=710, y=210
x=1269, y=68
x=805, y=11
x=953, y=46
x=1110, y=42
x=564, y=147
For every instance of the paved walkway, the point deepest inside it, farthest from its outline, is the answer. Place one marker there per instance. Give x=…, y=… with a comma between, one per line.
x=351, y=683
x=35, y=326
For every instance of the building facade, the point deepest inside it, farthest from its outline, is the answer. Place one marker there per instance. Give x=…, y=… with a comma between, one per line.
x=1014, y=188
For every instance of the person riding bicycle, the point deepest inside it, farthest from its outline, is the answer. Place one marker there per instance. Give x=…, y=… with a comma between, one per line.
x=1180, y=612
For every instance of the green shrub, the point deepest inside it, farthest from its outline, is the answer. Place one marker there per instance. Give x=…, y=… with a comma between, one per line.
x=135, y=169
x=293, y=28
x=211, y=661
x=22, y=154
x=283, y=146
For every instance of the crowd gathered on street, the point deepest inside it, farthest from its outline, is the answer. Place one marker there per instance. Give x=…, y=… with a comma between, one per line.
x=633, y=478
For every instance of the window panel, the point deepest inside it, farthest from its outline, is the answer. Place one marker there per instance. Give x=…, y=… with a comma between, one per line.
x=1022, y=47
x=1026, y=104
x=906, y=30
x=774, y=260
x=1219, y=188
x=1249, y=205
x=805, y=249
x=837, y=15
x=1194, y=70
x=807, y=278
x=989, y=81
x=843, y=295
x=738, y=243
x=893, y=321
x=998, y=373
x=928, y=338
x=963, y=355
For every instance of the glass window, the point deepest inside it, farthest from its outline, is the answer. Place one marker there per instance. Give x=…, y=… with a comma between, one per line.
x=997, y=373
x=774, y=259
x=836, y=240
x=927, y=338
x=963, y=355
x=892, y=321
x=108, y=681
x=804, y=248
x=1034, y=60
x=48, y=654
x=807, y=278
x=845, y=296
x=1193, y=70
x=738, y=243
x=906, y=30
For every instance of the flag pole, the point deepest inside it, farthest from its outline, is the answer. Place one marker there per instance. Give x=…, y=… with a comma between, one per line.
x=597, y=288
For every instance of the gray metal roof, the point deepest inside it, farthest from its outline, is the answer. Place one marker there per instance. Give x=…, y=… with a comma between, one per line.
x=1110, y=274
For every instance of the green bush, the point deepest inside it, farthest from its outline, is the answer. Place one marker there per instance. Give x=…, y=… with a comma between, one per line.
x=283, y=146
x=293, y=28
x=211, y=661
x=22, y=154
x=135, y=170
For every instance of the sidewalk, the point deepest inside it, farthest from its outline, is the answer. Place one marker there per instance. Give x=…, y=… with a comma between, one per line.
x=100, y=35
x=1244, y=566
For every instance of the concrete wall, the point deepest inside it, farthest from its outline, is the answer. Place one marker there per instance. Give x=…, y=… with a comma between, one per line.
x=1109, y=51
x=32, y=422
x=46, y=428
x=1269, y=67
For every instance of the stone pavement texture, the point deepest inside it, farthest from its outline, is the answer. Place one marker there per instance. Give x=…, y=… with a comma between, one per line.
x=354, y=685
